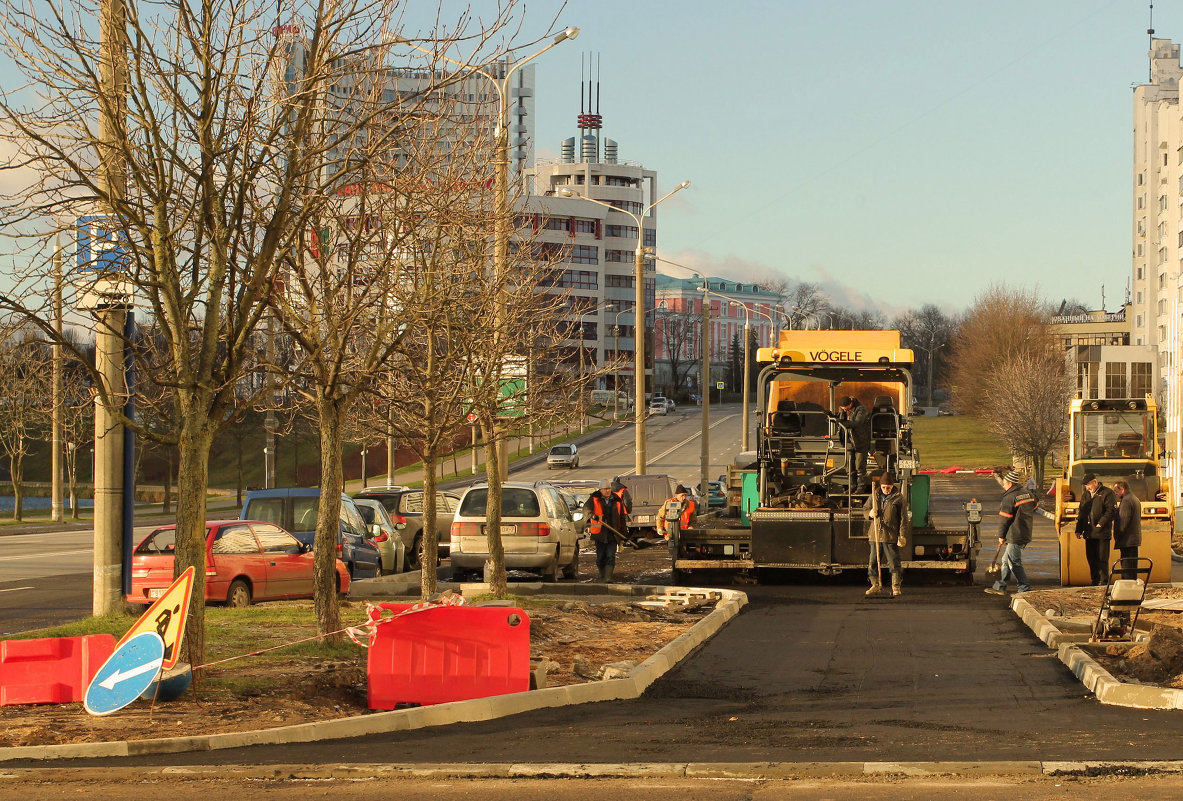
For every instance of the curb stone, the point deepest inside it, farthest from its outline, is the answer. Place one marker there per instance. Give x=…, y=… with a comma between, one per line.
x=577, y=770
x=1103, y=684
x=478, y=709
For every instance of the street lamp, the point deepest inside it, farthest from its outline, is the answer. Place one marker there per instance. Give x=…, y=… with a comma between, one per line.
x=616, y=349
x=638, y=341
x=501, y=164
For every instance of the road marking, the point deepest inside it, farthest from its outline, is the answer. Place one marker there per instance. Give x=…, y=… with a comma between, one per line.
x=684, y=442
x=42, y=555
x=15, y=589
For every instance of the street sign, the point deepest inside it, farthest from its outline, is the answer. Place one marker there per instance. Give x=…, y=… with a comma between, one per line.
x=167, y=616
x=471, y=417
x=100, y=247
x=719, y=385
x=127, y=673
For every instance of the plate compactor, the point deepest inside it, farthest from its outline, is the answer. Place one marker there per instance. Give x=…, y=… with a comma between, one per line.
x=1122, y=600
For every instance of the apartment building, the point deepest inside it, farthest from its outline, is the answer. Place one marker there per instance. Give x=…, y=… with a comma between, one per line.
x=1157, y=223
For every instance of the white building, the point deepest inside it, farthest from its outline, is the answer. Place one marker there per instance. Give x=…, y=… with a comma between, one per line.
x=1158, y=235
x=599, y=246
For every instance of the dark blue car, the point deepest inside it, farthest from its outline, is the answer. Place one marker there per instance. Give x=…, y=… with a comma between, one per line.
x=294, y=508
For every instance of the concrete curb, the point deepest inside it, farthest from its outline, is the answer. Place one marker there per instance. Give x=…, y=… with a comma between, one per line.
x=477, y=709
x=1103, y=684
x=577, y=770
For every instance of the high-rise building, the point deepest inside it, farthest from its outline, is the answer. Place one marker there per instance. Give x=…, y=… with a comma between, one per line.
x=1155, y=286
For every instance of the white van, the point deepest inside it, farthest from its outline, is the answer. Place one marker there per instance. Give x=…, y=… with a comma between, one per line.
x=608, y=398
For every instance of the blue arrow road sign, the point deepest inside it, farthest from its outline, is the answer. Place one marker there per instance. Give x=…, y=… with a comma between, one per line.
x=126, y=673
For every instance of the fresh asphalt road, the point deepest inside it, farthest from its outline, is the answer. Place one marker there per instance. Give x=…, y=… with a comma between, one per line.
x=810, y=671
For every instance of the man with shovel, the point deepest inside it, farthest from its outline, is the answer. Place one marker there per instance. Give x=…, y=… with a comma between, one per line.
x=885, y=513
x=607, y=525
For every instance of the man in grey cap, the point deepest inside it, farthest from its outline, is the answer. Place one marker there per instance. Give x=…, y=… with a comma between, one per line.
x=1098, y=508
x=1017, y=514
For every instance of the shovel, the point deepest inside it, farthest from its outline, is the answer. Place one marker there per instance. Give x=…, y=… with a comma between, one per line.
x=994, y=569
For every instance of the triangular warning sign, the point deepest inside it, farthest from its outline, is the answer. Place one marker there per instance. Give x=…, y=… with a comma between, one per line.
x=167, y=616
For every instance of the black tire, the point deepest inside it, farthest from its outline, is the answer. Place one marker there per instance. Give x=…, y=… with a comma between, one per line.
x=550, y=573
x=679, y=578
x=415, y=555
x=239, y=594
x=571, y=571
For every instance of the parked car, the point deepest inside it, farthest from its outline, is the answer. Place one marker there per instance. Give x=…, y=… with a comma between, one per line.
x=658, y=406
x=405, y=506
x=566, y=455
x=716, y=494
x=648, y=493
x=245, y=561
x=538, y=531
x=669, y=404
x=294, y=508
x=387, y=539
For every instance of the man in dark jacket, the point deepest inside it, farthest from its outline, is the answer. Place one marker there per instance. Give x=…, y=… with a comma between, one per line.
x=885, y=510
x=1017, y=514
x=607, y=525
x=1098, y=530
x=859, y=421
x=1127, y=528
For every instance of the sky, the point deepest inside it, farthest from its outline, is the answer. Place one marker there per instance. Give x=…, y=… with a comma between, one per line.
x=897, y=153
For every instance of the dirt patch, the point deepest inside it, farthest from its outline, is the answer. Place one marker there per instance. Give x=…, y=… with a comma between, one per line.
x=1157, y=661
x=573, y=641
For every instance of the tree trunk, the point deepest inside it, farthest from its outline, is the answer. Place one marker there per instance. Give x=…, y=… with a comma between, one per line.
x=196, y=437
x=15, y=469
x=496, y=572
x=329, y=412
x=428, y=579
x=238, y=496
x=167, y=506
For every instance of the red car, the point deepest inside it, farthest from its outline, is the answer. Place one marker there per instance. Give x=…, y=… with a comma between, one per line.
x=245, y=561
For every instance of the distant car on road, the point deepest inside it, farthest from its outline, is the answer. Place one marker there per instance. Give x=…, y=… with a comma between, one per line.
x=565, y=455
x=658, y=406
x=245, y=561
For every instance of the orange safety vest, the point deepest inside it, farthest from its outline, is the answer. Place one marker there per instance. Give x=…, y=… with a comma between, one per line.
x=597, y=522
x=687, y=513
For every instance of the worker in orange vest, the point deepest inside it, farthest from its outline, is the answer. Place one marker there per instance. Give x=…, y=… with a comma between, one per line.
x=676, y=513
x=607, y=526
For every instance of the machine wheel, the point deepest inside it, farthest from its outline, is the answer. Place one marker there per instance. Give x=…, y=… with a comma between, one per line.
x=550, y=573
x=239, y=595
x=571, y=571
x=679, y=577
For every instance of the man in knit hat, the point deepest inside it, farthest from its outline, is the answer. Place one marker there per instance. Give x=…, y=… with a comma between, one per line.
x=1098, y=507
x=1017, y=514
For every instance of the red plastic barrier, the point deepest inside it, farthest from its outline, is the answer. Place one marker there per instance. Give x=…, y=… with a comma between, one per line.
x=950, y=469
x=54, y=670
x=448, y=653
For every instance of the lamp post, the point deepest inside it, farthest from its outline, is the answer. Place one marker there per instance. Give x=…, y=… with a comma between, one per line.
x=638, y=335
x=501, y=172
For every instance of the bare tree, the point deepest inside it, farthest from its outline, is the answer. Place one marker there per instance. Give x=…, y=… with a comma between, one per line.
x=1027, y=402
x=24, y=386
x=805, y=305
x=929, y=331
x=1002, y=323
x=218, y=152
x=678, y=332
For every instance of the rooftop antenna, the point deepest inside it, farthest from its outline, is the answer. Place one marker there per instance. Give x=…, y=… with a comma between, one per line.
x=1150, y=33
x=590, y=120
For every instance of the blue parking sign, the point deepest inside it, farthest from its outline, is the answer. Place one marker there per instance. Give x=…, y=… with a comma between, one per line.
x=101, y=246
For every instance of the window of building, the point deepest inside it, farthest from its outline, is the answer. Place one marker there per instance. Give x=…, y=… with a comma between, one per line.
x=617, y=180
x=620, y=256
x=557, y=224
x=1162, y=230
x=1141, y=201
x=1162, y=202
x=620, y=281
x=1086, y=379
x=650, y=238
x=1164, y=159
x=621, y=230
x=1115, y=380
x=584, y=226
x=1162, y=255
x=1140, y=379
x=576, y=279
x=633, y=206
x=1162, y=280
x=585, y=254
x=621, y=331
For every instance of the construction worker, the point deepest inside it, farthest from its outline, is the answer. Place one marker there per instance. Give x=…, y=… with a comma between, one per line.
x=855, y=415
x=676, y=514
x=607, y=525
x=885, y=510
x=1016, y=515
